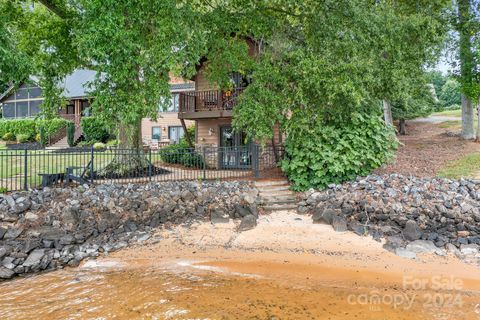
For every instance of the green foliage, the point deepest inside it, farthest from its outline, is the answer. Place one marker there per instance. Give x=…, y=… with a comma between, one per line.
x=48, y=127
x=41, y=137
x=94, y=129
x=181, y=153
x=450, y=94
x=99, y=146
x=85, y=143
x=327, y=153
x=3, y=190
x=23, y=138
x=70, y=133
x=112, y=143
x=9, y=136
x=18, y=126
x=419, y=101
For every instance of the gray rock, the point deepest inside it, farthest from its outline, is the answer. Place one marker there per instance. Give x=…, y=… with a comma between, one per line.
x=13, y=233
x=469, y=249
x=339, y=224
x=34, y=258
x=404, y=253
x=325, y=216
x=248, y=222
x=2, y=232
x=424, y=246
x=411, y=231
x=3, y=252
x=357, y=228
x=6, y=273
x=219, y=216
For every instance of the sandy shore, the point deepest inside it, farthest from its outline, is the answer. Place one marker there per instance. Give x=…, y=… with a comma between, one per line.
x=288, y=249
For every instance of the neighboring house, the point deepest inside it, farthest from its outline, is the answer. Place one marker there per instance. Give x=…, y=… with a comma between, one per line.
x=211, y=110
x=24, y=102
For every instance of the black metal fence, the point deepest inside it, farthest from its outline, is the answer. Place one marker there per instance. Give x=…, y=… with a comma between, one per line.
x=29, y=169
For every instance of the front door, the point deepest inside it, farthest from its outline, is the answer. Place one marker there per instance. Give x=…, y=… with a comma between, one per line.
x=234, y=150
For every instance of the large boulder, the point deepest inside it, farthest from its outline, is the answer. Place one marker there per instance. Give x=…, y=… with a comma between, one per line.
x=412, y=231
x=248, y=222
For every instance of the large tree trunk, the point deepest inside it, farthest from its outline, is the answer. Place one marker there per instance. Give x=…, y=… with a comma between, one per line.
x=467, y=65
x=478, y=121
x=129, y=160
x=387, y=112
x=402, y=127
x=468, y=131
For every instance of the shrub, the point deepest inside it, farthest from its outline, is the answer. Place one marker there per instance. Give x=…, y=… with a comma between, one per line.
x=9, y=136
x=70, y=133
x=94, y=129
x=99, y=146
x=180, y=154
x=3, y=190
x=112, y=143
x=22, y=138
x=334, y=153
x=51, y=126
x=85, y=143
x=18, y=126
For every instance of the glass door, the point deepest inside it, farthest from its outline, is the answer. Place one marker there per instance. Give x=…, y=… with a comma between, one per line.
x=234, y=150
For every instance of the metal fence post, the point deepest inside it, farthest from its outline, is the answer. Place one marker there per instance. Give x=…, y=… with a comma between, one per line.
x=92, y=157
x=25, y=168
x=204, y=163
x=149, y=164
x=255, y=160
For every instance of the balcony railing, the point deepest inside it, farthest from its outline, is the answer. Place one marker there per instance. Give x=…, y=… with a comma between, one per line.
x=209, y=100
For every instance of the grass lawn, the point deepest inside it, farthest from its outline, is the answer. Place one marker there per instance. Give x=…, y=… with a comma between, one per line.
x=12, y=165
x=467, y=167
x=449, y=113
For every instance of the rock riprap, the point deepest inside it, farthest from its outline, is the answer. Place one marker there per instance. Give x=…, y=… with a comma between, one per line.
x=439, y=213
x=50, y=228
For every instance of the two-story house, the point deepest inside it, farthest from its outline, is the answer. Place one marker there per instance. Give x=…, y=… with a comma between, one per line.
x=211, y=108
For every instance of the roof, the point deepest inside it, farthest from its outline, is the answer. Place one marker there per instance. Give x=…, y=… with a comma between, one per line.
x=182, y=86
x=75, y=85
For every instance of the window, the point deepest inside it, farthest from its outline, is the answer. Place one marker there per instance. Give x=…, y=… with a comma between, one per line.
x=35, y=107
x=35, y=92
x=156, y=133
x=22, y=93
x=22, y=109
x=174, y=103
x=175, y=133
x=70, y=109
x=9, y=110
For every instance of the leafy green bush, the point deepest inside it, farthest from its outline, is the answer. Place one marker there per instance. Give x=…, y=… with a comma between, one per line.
x=181, y=153
x=51, y=126
x=112, y=143
x=94, y=129
x=85, y=143
x=334, y=153
x=22, y=138
x=99, y=146
x=9, y=136
x=3, y=190
x=70, y=133
x=18, y=126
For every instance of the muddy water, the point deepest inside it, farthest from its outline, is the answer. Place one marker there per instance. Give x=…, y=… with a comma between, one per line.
x=180, y=291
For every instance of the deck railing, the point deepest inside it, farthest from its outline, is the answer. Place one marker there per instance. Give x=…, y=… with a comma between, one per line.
x=209, y=100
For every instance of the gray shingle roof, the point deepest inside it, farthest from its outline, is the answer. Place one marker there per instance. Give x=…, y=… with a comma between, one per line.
x=182, y=86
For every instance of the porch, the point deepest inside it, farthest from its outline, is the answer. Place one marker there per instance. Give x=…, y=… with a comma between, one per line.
x=206, y=104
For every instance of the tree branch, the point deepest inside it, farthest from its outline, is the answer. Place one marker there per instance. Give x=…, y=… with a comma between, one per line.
x=53, y=6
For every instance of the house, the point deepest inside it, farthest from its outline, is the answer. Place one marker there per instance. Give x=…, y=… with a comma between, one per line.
x=24, y=102
x=210, y=108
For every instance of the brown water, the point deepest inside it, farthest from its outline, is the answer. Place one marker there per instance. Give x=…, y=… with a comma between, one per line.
x=178, y=291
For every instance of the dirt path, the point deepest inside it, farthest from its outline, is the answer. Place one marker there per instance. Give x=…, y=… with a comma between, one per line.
x=426, y=148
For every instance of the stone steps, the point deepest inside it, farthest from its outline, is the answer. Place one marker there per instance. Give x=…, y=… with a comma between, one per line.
x=276, y=195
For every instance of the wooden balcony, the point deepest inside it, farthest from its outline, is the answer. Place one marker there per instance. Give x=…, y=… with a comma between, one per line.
x=208, y=103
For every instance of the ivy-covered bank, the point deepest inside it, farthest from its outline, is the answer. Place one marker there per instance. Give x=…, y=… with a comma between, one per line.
x=52, y=228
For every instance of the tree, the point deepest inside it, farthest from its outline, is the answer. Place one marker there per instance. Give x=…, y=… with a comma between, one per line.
x=418, y=101
x=465, y=25
x=450, y=93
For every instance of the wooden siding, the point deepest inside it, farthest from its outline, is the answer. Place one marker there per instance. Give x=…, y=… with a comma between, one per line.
x=164, y=120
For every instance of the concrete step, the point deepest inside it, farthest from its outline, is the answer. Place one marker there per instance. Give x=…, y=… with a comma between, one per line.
x=274, y=188
x=279, y=197
x=260, y=184
x=277, y=207
x=266, y=193
x=279, y=201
